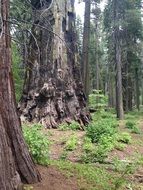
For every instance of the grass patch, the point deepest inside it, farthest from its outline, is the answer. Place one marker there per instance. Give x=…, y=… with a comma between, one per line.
x=89, y=176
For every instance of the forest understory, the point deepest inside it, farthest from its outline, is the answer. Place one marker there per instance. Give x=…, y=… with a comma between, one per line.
x=71, y=95
x=73, y=164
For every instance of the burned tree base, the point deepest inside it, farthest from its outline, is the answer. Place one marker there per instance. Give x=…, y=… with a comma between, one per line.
x=50, y=106
x=53, y=91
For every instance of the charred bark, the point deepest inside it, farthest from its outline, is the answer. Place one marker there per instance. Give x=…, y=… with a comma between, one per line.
x=16, y=164
x=53, y=91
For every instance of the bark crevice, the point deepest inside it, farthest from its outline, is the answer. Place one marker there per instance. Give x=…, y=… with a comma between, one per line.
x=53, y=91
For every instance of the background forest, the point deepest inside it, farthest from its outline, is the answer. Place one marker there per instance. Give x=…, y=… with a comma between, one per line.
x=79, y=91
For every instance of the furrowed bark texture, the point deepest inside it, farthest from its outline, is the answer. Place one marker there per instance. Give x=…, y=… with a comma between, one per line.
x=16, y=164
x=118, y=65
x=53, y=91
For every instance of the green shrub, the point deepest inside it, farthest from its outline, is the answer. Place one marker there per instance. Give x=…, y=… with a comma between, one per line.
x=130, y=124
x=64, y=126
x=124, y=138
x=107, y=115
x=87, y=145
x=71, y=144
x=102, y=127
x=119, y=146
x=136, y=130
x=97, y=100
x=38, y=143
x=72, y=126
x=98, y=154
x=107, y=142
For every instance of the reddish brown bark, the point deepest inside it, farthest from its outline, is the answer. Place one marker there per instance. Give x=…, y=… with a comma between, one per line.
x=16, y=164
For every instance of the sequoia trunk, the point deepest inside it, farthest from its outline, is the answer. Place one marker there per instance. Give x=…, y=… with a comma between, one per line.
x=16, y=164
x=53, y=91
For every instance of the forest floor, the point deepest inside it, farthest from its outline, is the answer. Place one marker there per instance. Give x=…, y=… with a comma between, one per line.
x=122, y=169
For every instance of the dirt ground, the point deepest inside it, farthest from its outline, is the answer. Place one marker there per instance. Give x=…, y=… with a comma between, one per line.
x=54, y=179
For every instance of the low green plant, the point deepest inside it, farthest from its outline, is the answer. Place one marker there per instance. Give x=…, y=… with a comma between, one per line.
x=124, y=138
x=72, y=126
x=98, y=154
x=87, y=145
x=136, y=130
x=124, y=168
x=38, y=143
x=107, y=114
x=120, y=146
x=94, y=178
x=130, y=124
x=71, y=144
x=64, y=155
x=96, y=130
x=64, y=127
x=107, y=142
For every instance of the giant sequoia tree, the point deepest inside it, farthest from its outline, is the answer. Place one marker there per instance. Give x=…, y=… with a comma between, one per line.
x=53, y=91
x=16, y=164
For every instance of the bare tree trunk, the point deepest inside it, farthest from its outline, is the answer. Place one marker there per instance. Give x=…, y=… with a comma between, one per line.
x=119, y=92
x=97, y=64
x=85, y=50
x=137, y=95
x=53, y=91
x=118, y=64
x=125, y=79
x=16, y=164
x=130, y=91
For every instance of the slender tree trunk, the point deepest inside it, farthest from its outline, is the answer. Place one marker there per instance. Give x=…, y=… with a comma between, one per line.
x=125, y=79
x=97, y=65
x=118, y=64
x=85, y=50
x=53, y=91
x=130, y=90
x=119, y=91
x=142, y=92
x=16, y=164
x=137, y=89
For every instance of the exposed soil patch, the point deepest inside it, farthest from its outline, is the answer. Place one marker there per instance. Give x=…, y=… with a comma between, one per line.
x=53, y=179
x=58, y=139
